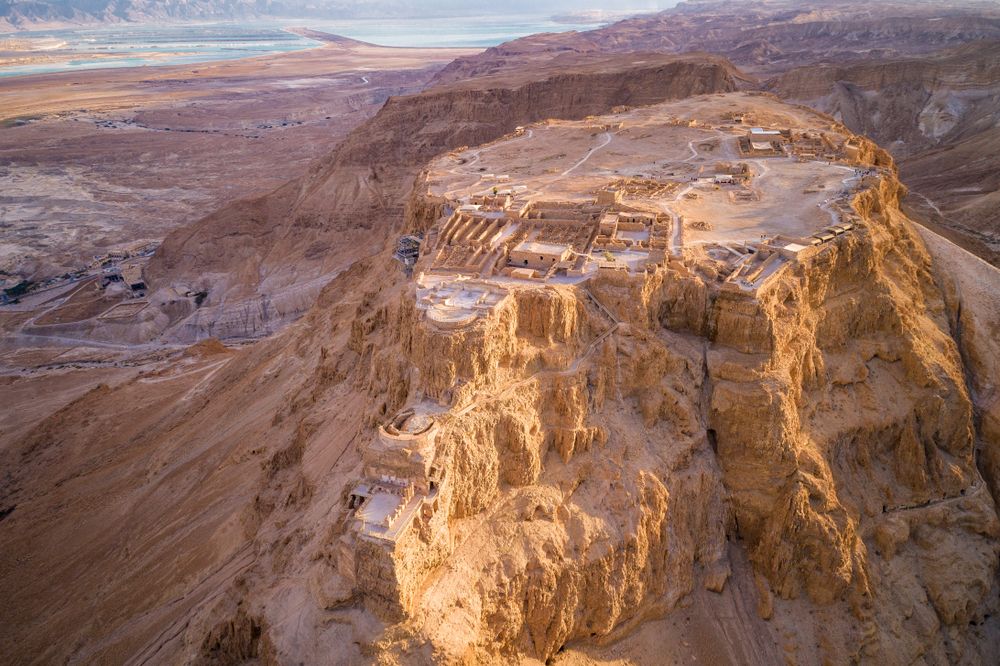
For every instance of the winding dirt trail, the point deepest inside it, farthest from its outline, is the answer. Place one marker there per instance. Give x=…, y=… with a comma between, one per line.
x=478, y=152
x=607, y=140
x=462, y=169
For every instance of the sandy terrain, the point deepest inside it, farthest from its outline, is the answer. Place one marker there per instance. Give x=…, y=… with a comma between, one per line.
x=791, y=195
x=34, y=396
x=95, y=159
x=37, y=381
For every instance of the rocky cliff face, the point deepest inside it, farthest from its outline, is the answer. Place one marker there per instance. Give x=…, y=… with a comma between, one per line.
x=610, y=453
x=562, y=532
x=907, y=105
x=849, y=472
x=825, y=426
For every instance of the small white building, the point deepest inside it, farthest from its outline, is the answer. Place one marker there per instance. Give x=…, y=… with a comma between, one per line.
x=538, y=255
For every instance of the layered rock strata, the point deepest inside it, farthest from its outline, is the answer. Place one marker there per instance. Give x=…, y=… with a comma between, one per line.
x=822, y=421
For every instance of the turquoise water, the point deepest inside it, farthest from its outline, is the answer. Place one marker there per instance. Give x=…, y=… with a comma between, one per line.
x=135, y=46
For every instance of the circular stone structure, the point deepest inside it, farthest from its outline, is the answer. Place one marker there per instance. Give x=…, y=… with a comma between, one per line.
x=405, y=445
x=457, y=303
x=408, y=424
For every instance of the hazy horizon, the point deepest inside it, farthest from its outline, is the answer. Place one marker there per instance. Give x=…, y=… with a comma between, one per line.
x=173, y=10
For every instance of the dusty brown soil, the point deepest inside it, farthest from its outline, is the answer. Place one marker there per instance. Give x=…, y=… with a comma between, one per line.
x=10, y=321
x=192, y=514
x=634, y=507
x=29, y=399
x=117, y=155
x=86, y=302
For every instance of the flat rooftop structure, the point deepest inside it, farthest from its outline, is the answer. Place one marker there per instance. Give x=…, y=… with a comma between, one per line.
x=384, y=514
x=378, y=508
x=534, y=247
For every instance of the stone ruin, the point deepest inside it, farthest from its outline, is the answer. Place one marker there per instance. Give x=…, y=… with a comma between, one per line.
x=397, y=531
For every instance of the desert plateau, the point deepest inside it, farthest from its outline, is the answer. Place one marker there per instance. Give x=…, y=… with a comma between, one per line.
x=675, y=340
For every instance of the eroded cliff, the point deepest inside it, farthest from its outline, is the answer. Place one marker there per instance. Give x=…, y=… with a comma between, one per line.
x=550, y=473
x=937, y=114
x=602, y=445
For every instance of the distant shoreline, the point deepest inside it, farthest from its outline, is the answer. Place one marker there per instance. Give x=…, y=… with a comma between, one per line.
x=329, y=38
x=28, y=55
x=125, y=45
x=598, y=17
x=587, y=17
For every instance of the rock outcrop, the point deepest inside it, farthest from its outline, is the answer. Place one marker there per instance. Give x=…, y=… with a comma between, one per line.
x=937, y=114
x=594, y=480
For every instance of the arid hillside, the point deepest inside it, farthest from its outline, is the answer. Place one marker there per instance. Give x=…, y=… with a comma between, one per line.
x=763, y=38
x=937, y=114
x=95, y=160
x=787, y=471
x=280, y=249
x=608, y=347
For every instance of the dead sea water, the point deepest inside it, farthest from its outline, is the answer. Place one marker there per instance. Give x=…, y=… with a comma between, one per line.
x=146, y=45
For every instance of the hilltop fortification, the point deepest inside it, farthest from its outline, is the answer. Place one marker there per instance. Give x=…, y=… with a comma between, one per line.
x=664, y=419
